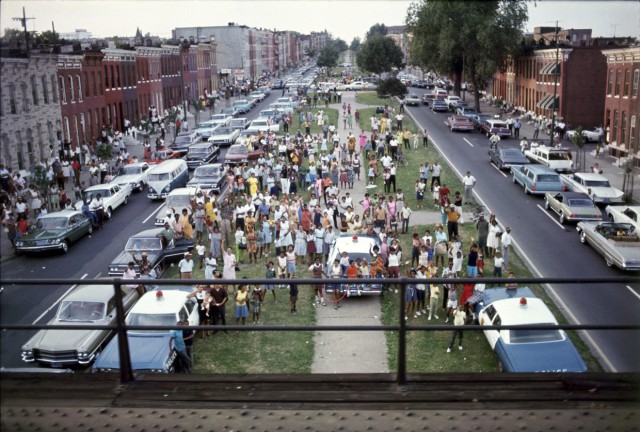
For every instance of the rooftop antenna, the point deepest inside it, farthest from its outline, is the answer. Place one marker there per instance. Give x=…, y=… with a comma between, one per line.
x=23, y=21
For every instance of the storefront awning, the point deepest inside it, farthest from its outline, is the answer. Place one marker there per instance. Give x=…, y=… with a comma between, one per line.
x=550, y=69
x=547, y=102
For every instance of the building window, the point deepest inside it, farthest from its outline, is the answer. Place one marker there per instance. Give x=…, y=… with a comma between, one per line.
x=12, y=99
x=19, y=151
x=636, y=78
x=86, y=84
x=100, y=88
x=614, y=129
x=7, y=152
x=54, y=91
x=632, y=134
x=72, y=93
x=63, y=93
x=40, y=141
x=30, y=153
x=34, y=90
x=93, y=79
x=67, y=131
x=610, y=85
x=618, y=79
x=50, y=133
x=45, y=90
x=79, y=87
x=25, y=97
x=627, y=78
x=623, y=129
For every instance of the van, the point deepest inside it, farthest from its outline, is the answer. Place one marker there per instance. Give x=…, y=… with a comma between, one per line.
x=167, y=176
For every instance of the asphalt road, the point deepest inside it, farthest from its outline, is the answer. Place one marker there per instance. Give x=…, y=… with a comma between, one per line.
x=88, y=258
x=550, y=250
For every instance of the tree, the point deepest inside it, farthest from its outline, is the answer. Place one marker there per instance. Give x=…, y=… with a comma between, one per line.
x=379, y=54
x=48, y=37
x=104, y=151
x=13, y=37
x=328, y=56
x=578, y=139
x=478, y=37
x=391, y=87
x=376, y=29
x=340, y=44
x=355, y=44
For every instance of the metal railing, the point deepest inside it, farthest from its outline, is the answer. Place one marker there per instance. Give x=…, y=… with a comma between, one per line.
x=126, y=372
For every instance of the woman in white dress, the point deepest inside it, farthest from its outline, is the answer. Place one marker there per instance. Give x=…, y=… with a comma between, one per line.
x=493, y=237
x=300, y=247
x=229, y=269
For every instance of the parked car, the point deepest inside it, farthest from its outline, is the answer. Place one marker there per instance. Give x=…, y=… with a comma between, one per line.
x=265, y=89
x=176, y=201
x=427, y=98
x=159, y=255
x=572, y=206
x=413, y=100
x=113, y=196
x=555, y=158
x=452, y=101
x=243, y=106
x=593, y=135
x=133, y=174
x=274, y=114
x=439, y=106
x=537, y=179
x=239, y=153
x=231, y=111
x=595, y=185
x=421, y=84
x=239, y=124
x=618, y=243
x=161, y=155
x=224, y=136
x=477, y=120
x=262, y=124
x=624, y=214
x=55, y=231
x=257, y=95
x=83, y=305
x=459, y=123
x=202, y=153
x=209, y=177
x=184, y=140
x=491, y=127
x=357, y=247
x=466, y=111
x=526, y=350
x=150, y=349
x=504, y=157
x=379, y=110
x=221, y=119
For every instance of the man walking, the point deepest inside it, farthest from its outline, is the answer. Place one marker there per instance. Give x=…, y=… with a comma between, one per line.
x=469, y=182
x=176, y=343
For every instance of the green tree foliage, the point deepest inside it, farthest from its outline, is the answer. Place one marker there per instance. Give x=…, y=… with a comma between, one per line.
x=379, y=54
x=48, y=37
x=391, y=87
x=355, y=44
x=377, y=29
x=104, y=151
x=479, y=36
x=340, y=44
x=578, y=140
x=328, y=56
x=13, y=37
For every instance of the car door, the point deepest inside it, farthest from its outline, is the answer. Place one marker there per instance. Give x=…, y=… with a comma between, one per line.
x=493, y=335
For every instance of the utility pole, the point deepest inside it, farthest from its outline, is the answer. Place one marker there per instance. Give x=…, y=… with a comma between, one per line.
x=23, y=21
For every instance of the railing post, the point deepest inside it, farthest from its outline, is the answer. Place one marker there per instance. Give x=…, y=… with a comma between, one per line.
x=126, y=374
x=402, y=336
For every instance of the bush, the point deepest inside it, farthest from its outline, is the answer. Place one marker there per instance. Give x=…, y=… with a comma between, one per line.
x=391, y=87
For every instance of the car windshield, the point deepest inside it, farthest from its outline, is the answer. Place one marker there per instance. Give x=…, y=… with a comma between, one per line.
x=259, y=123
x=237, y=150
x=500, y=125
x=178, y=200
x=198, y=151
x=580, y=202
x=91, y=194
x=132, y=170
x=52, y=223
x=81, y=311
x=512, y=152
x=207, y=172
x=533, y=336
x=151, y=320
x=548, y=178
x=597, y=183
x=182, y=139
x=558, y=156
x=159, y=177
x=223, y=131
x=143, y=244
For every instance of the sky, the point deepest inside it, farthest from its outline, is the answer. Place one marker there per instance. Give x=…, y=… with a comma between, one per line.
x=345, y=19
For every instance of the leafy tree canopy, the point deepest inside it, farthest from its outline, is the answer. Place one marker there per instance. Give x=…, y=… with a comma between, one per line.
x=379, y=54
x=377, y=29
x=355, y=44
x=391, y=87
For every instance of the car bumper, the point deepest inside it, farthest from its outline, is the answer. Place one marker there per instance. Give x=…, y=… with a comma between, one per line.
x=355, y=290
x=157, y=195
x=608, y=200
x=462, y=129
x=39, y=248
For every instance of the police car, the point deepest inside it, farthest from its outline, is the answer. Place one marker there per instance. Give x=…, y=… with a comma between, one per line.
x=356, y=247
x=526, y=350
x=149, y=349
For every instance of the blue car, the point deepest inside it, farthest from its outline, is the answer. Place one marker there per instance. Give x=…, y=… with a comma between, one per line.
x=537, y=179
x=526, y=350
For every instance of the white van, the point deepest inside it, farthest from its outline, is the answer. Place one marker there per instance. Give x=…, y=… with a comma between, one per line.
x=167, y=176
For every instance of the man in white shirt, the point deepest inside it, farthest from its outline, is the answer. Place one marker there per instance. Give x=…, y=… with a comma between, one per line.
x=97, y=206
x=469, y=182
x=386, y=161
x=186, y=266
x=505, y=240
x=405, y=213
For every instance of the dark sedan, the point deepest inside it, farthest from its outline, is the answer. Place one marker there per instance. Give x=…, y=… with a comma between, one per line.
x=439, y=106
x=158, y=254
x=55, y=231
x=209, y=177
x=505, y=158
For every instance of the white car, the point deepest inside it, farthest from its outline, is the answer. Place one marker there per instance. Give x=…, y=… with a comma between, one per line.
x=257, y=95
x=624, y=214
x=592, y=135
x=262, y=124
x=177, y=200
x=113, y=196
x=595, y=185
x=134, y=174
x=357, y=247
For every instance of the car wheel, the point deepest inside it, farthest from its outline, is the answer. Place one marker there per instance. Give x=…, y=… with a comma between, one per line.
x=608, y=262
x=610, y=217
x=583, y=238
x=126, y=200
x=546, y=204
x=107, y=213
x=561, y=219
x=90, y=230
x=141, y=186
x=65, y=246
x=513, y=179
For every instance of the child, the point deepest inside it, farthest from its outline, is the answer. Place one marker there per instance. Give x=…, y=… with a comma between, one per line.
x=271, y=274
x=480, y=262
x=291, y=262
x=497, y=265
x=282, y=264
x=293, y=296
x=200, y=249
x=436, y=195
x=372, y=175
x=257, y=297
x=335, y=271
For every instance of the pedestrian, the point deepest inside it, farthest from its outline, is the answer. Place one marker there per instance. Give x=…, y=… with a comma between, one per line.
x=469, y=182
x=186, y=266
x=257, y=297
x=459, y=318
x=434, y=299
x=506, y=246
x=425, y=138
x=497, y=265
x=200, y=250
x=242, y=310
x=293, y=296
x=177, y=344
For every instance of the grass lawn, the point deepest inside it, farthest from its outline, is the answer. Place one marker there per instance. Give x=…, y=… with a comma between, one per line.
x=332, y=113
x=371, y=98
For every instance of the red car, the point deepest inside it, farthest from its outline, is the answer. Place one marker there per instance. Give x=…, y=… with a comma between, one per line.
x=238, y=154
x=162, y=155
x=460, y=123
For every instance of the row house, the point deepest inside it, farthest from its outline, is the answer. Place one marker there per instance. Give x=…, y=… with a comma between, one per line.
x=30, y=115
x=149, y=90
x=622, y=103
x=121, y=92
x=567, y=80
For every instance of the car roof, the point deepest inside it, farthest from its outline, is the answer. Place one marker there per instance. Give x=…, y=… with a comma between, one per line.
x=136, y=164
x=540, y=169
x=97, y=293
x=201, y=145
x=181, y=191
x=213, y=165
x=64, y=213
x=149, y=303
x=153, y=232
x=572, y=195
x=101, y=186
x=534, y=312
x=363, y=243
x=590, y=176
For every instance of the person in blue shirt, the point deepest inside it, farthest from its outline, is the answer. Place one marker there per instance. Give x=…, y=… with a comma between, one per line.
x=176, y=343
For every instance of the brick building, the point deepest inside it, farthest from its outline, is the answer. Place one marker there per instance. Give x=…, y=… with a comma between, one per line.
x=622, y=102
x=148, y=81
x=30, y=116
x=529, y=82
x=121, y=95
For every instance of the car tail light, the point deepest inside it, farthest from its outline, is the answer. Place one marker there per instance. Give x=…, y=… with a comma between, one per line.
x=533, y=186
x=573, y=215
x=564, y=188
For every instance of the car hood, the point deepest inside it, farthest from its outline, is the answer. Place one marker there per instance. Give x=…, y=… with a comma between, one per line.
x=559, y=356
x=62, y=340
x=606, y=192
x=127, y=179
x=201, y=181
x=147, y=351
x=52, y=233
